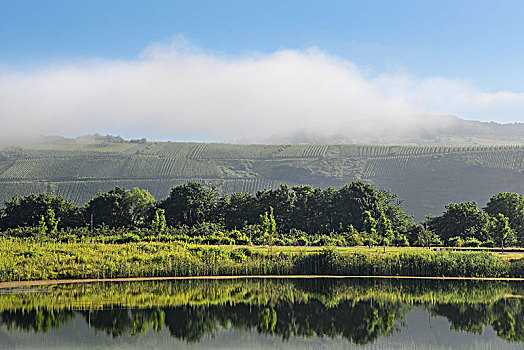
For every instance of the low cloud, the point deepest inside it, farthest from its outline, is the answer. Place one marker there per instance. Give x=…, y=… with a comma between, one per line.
x=177, y=91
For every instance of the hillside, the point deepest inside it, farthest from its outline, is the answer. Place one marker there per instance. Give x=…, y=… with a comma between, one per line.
x=427, y=177
x=409, y=130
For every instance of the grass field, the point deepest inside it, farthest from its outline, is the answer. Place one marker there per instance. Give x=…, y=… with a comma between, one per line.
x=29, y=260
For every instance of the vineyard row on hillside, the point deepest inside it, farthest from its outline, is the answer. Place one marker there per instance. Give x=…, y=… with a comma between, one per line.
x=128, y=167
x=230, y=151
x=80, y=192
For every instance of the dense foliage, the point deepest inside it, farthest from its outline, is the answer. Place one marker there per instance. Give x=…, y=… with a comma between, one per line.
x=500, y=223
x=354, y=214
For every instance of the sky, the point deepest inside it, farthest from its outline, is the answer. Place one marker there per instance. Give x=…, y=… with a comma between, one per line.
x=221, y=70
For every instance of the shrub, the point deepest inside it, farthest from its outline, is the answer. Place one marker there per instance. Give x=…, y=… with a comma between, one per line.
x=456, y=242
x=239, y=237
x=245, y=250
x=355, y=240
x=130, y=237
x=401, y=240
x=279, y=242
x=488, y=244
x=302, y=241
x=472, y=242
x=205, y=228
x=237, y=255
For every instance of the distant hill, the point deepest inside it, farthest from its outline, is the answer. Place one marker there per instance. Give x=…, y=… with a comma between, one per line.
x=427, y=177
x=409, y=130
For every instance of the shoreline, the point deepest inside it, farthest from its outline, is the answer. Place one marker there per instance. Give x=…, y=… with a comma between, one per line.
x=19, y=284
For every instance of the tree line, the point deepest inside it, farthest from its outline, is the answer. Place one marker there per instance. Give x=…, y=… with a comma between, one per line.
x=354, y=214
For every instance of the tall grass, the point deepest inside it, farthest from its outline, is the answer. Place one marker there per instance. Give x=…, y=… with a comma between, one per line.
x=26, y=260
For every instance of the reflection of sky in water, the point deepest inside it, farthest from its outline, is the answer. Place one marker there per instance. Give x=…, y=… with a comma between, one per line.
x=416, y=331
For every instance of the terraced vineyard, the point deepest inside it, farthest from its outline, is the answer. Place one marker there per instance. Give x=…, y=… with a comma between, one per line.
x=302, y=151
x=427, y=177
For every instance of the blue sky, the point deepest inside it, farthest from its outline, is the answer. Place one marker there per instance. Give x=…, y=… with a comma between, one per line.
x=473, y=49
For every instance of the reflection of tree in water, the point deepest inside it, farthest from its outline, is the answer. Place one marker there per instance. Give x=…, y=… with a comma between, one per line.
x=360, y=311
x=190, y=323
x=505, y=316
x=38, y=320
x=117, y=322
x=360, y=323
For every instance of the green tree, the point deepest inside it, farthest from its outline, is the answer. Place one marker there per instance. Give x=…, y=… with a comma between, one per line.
x=42, y=229
x=384, y=229
x=511, y=205
x=112, y=209
x=461, y=220
x=23, y=211
x=120, y=208
x=300, y=217
x=189, y=204
x=349, y=202
x=237, y=211
x=282, y=200
x=158, y=225
x=370, y=226
x=51, y=222
x=318, y=208
x=268, y=225
x=405, y=228
x=423, y=237
x=141, y=206
x=501, y=229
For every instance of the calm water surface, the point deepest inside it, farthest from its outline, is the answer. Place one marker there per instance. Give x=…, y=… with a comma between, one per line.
x=265, y=313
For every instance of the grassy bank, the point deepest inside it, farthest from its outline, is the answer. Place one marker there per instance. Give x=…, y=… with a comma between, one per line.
x=25, y=260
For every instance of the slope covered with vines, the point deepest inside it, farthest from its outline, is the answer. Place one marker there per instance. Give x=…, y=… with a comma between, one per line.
x=427, y=177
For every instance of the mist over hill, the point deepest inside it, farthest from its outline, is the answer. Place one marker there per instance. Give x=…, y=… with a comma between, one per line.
x=405, y=130
x=385, y=130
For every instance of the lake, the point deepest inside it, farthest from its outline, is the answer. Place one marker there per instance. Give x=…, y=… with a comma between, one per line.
x=263, y=313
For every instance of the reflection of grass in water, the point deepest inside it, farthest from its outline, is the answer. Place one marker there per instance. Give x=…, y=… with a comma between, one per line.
x=329, y=292
x=359, y=310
